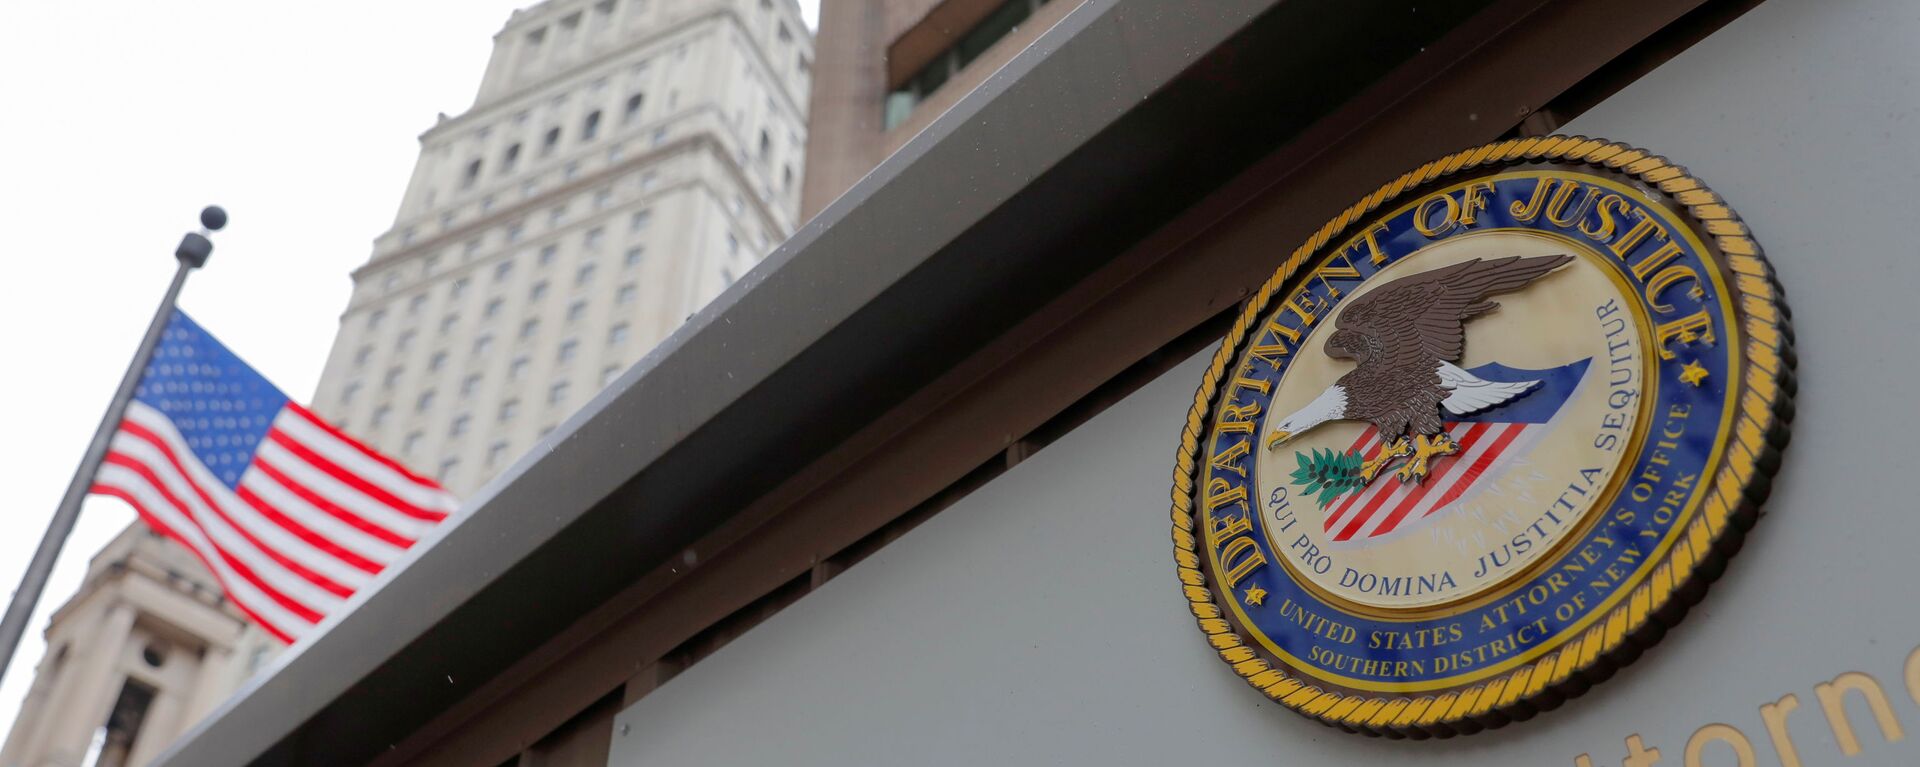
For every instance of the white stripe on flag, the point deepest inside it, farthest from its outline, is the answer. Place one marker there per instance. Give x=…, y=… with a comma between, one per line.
x=184, y=530
x=350, y=458
x=221, y=535
x=1378, y=512
x=1452, y=474
x=268, y=532
x=325, y=525
x=340, y=493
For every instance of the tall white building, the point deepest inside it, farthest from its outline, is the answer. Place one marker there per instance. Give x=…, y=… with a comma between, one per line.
x=624, y=161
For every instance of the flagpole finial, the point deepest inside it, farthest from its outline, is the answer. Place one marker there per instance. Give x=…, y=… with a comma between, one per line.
x=195, y=247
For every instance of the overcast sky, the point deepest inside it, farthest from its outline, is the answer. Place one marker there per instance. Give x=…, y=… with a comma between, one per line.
x=125, y=117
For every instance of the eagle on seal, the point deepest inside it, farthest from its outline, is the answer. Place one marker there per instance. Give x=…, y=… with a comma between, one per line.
x=1405, y=337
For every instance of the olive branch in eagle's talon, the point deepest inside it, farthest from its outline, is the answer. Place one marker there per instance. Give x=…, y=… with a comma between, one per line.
x=1328, y=473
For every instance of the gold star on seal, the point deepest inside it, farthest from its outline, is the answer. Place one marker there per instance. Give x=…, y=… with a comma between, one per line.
x=1256, y=595
x=1693, y=372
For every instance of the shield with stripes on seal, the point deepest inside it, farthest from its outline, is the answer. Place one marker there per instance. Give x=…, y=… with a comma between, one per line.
x=1491, y=442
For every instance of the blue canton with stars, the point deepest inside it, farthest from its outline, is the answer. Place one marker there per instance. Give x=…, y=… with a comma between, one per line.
x=220, y=405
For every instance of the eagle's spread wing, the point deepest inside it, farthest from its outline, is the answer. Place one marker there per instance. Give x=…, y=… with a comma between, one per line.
x=1422, y=317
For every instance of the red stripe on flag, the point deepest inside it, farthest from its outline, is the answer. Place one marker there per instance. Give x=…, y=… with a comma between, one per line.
x=1370, y=433
x=378, y=494
x=142, y=433
x=348, y=440
x=302, y=532
x=1374, y=502
x=329, y=507
x=1467, y=441
x=154, y=522
x=1480, y=466
x=234, y=563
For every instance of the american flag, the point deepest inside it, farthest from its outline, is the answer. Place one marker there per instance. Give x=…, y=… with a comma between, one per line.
x=292, y=515
x=1489, y=442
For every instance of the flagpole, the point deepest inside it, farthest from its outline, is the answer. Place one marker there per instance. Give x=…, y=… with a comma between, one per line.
x=192, y=254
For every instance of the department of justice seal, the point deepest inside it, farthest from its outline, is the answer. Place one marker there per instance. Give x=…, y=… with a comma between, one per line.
x=1483, y=438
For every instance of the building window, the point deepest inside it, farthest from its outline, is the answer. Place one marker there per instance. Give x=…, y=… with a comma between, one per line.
x=482, y=345
x=380, y=416
x=557, y=215
x=569, y=171
x=414, y=304
x=438, y=361
x=639, y=220
x=634, y=103
x=392, y=377
x=602, y=198
x=425, y=402
x=617, y=334
x=511, y=156
x=576, y=311
x=459, y=288
x=550, y=142
x=568, y=350
x=1003, y=20
x=626, y=294
x=634, y=255
x=518, y=369
x=447, y=467
x=557, y=393
x=373, y=320
x=447, y=323
x=515, y=231
x=501, y=270
x=459, y=425
x=405, y=340
x=346, y=394
x=472, y=176
x=469, y=385
x=496, y=453
x=590, y=128
x=548, y=253
x=593, y=237
x=412, y=445
x=584, y=275
x=786, y=36
x=538, y=291
x=509, y=409
x=733, y=245
x=766, y=146
x=529, y=329
x=608, y=374
x=786, y=178
x=361, y=355
x=493, y=308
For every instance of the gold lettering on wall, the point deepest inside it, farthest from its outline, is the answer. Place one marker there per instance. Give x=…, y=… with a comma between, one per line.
x=1775, y=716
x=1722, y=733
x=1833, y=701
x=1834, y=695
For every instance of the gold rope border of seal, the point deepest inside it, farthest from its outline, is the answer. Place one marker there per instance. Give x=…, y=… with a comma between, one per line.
x=1678, y=580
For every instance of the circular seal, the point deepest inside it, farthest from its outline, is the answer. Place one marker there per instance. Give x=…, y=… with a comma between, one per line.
x=1483, y=438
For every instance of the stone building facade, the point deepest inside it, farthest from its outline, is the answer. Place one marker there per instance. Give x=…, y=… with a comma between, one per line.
x=623, y=162
x=147, y=648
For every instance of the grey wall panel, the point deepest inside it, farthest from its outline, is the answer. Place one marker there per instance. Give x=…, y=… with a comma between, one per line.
x=1038, y=620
